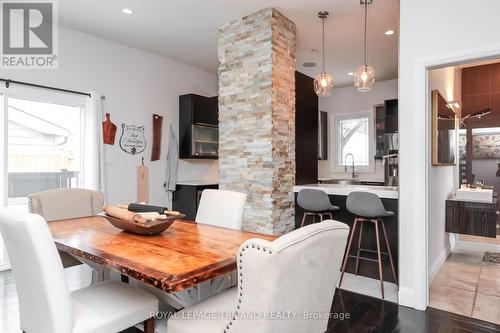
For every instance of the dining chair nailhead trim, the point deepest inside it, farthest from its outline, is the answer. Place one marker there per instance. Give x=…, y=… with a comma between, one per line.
x=240, y=298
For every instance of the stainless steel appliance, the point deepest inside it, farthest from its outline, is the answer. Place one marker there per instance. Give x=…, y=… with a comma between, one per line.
x=391, y=166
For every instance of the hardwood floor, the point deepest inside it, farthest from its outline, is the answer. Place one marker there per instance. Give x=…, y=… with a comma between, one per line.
x=366, y=314
x=373, y=315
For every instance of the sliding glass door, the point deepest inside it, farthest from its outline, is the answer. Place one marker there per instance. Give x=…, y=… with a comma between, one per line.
x=41, y=145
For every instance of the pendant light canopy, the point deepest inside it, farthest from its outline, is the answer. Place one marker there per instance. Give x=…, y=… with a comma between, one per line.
x=364, y=76
x=323, y=83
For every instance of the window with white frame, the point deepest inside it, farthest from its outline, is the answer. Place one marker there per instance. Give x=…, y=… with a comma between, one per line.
x=353, y=135
x=40, y=145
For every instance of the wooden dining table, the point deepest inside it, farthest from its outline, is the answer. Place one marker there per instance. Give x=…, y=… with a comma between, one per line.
x=185, y=254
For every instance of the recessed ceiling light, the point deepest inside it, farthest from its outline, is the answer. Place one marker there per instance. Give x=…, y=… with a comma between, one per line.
x=389, y=32
x=309, y=64
x=127, y=11
x=350, y=73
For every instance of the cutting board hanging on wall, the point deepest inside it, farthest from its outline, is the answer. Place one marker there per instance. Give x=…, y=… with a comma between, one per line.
x=142, y=183
x=156, y=148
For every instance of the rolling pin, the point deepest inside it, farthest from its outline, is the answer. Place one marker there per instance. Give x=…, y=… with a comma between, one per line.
x=140, y=208
x=123, y=214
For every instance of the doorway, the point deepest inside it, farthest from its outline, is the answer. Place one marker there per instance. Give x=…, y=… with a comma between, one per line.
x=463, y=226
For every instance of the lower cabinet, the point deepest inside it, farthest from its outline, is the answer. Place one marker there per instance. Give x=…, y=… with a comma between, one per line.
x=471, y=218
x=187, y=198
x=367, y=268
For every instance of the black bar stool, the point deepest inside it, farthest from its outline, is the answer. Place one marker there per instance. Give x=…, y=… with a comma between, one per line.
x=315, y=203
x=368, y=208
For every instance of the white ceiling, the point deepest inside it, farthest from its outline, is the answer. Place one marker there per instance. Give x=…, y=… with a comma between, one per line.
x=186, y=30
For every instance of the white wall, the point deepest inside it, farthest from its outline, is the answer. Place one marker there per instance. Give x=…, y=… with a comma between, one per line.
x=348, y=100
x=431, y=33
x=442, y=179
x=136, y=85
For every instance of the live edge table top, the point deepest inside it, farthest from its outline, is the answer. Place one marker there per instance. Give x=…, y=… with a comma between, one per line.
x=182, y=256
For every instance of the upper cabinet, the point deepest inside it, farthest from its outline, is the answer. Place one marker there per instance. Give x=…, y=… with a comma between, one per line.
x=386, y=119
x=391, y=116
x=205, y=110
x=198, y=127
x=306, y=130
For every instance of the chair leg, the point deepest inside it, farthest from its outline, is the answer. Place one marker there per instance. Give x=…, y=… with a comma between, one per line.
x=303, y=219
x=389, y=252
x=359, y=246
x=380, y=273
x=149, y=325
x=346, y=254
x=331, y=216
x=321, y=217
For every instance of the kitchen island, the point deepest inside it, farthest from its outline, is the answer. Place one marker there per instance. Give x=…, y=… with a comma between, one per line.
x=338, y=194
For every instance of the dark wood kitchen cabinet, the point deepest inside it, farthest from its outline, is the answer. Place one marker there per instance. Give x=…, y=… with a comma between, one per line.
x=306, y=130
x=471, y=217
x=198, y=127
x=367, y=269
x=391, y=116
x=187, y=198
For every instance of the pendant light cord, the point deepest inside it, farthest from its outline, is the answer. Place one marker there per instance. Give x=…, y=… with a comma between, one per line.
x=323, y=21
x=366, y=10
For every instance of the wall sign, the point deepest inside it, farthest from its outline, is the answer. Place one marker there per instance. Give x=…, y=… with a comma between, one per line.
x=132, y=140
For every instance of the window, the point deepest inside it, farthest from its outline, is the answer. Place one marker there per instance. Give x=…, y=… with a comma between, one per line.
x=41, y=144
x=353, y=135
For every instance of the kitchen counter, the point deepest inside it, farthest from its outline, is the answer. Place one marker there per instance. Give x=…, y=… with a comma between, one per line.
x=387, y=192
x=337, y=193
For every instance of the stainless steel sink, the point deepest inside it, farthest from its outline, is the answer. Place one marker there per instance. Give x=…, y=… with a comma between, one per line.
x=342, y=181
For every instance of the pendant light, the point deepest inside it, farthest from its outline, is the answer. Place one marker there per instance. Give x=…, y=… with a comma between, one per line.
x=323, y=83
x=364, y=76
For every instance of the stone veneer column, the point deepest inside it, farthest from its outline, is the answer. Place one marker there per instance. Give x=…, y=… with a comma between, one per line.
x=257, y=117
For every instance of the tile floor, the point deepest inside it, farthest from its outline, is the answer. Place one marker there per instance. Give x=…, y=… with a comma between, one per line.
x=466, y=285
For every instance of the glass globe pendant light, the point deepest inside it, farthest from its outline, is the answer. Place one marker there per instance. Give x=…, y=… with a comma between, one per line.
x=364, y=76
x=323, y=83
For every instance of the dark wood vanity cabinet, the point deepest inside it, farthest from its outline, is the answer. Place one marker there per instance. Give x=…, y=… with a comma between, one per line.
x=471, y=218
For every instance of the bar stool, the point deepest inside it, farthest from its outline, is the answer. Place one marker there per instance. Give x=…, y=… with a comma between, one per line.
x=315, y=203
x=368, y=208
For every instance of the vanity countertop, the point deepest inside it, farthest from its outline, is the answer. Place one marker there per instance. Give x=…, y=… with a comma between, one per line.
x=387, y=192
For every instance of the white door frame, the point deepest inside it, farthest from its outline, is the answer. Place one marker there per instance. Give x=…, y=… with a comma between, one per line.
x=419, y=296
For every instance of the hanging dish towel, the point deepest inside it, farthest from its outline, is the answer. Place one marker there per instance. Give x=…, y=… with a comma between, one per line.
x=171, y=171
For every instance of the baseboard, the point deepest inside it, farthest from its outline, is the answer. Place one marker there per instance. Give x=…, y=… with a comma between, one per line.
x=436, y=265
x=407, y=297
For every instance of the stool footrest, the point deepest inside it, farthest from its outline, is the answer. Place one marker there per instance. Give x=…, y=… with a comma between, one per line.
x=363, y=258
x=373, y=251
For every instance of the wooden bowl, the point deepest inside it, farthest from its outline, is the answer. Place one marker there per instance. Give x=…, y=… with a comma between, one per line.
x=150, y=228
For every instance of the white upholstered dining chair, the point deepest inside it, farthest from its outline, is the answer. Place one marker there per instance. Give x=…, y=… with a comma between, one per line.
x=67, y=203
x=295, y=274
x=219, y=208
x=45, y=303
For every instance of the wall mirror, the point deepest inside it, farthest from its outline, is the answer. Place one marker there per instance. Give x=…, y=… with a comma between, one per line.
x=444, y=131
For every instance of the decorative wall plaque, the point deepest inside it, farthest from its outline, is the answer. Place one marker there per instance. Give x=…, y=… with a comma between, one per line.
x=132, y=140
